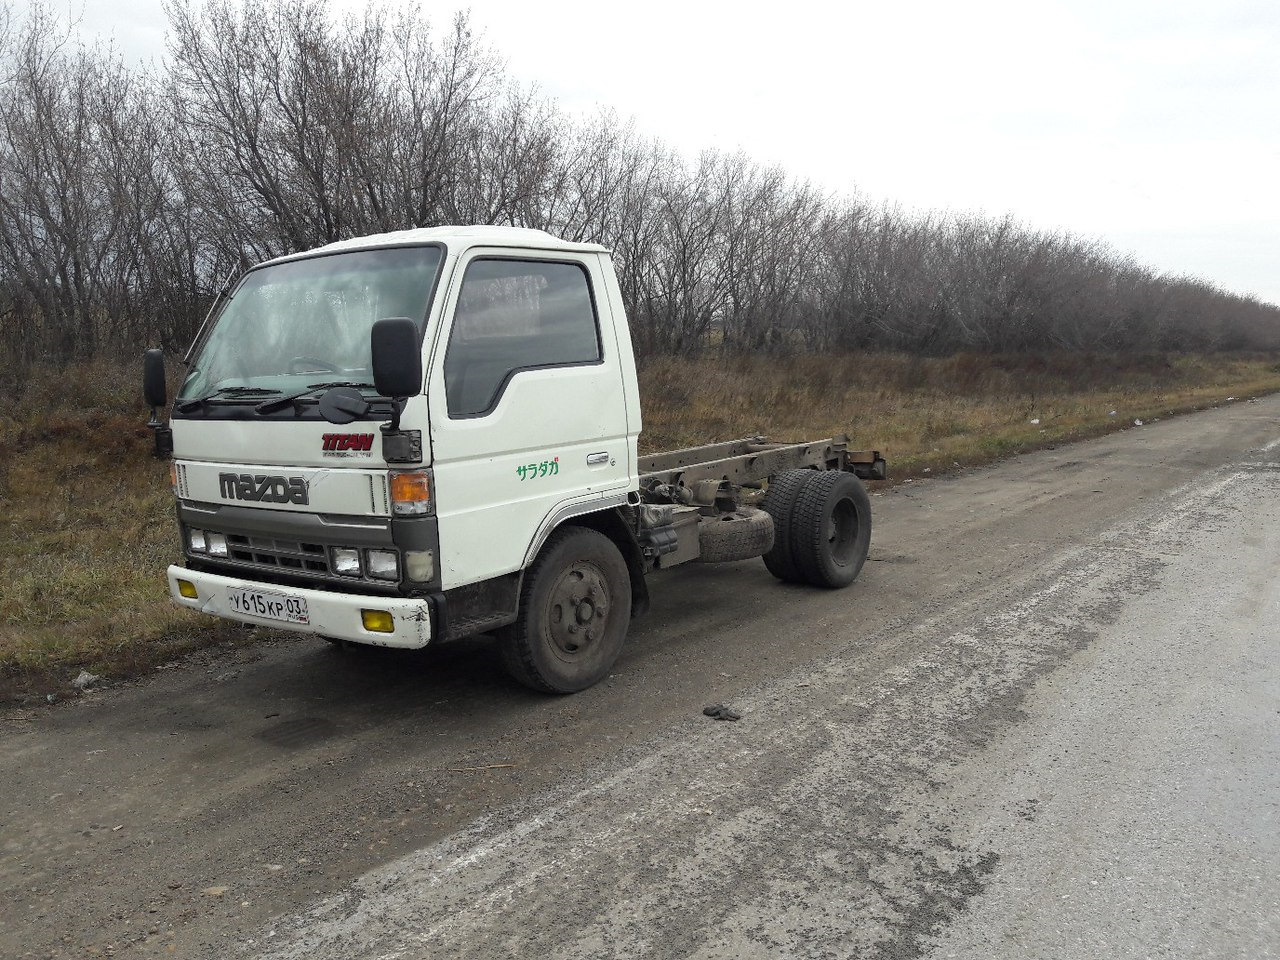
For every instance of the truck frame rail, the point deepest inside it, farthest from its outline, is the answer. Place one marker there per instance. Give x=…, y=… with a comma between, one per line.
x=752, y=460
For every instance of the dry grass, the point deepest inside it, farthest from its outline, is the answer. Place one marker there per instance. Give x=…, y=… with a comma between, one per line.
x=930, y=414
x=88, y=528
x=87, y=531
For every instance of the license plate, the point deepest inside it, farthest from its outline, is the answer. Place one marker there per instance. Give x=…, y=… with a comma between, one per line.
x=269, y=606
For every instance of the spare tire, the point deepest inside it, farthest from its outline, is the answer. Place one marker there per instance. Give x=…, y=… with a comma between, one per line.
x=740, y=535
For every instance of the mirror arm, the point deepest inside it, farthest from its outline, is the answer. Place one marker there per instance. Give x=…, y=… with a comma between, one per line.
x=162, y=434
x=400, y=446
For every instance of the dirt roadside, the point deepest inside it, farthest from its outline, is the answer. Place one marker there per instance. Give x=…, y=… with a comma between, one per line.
x=189, y=807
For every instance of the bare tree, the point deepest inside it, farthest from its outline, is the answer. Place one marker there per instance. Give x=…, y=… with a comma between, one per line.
x=127, y=198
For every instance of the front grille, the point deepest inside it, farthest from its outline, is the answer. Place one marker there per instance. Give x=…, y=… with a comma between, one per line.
x=282, y=554
x=284, y=560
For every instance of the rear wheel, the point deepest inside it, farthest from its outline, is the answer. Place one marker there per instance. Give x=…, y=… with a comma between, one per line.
x=575, y=608
x=831, y=529
x=780, y=502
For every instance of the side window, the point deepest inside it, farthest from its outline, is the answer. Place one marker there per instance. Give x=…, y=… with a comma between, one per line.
x=513, y=315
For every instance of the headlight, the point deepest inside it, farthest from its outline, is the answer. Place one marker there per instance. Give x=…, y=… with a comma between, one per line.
x=197, y=541
x=382, y=564
x=346, y=562
x=217, y=544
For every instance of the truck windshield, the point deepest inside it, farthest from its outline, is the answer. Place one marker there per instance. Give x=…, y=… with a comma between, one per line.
x=305, y=322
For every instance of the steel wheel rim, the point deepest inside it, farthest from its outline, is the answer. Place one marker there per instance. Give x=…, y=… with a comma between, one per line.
x=576, y=615
x=842, y=531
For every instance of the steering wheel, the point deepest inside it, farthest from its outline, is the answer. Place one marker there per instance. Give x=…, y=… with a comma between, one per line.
x=311, y=365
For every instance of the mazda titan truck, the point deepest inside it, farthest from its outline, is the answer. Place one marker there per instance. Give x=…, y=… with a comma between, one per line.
x=403, y=439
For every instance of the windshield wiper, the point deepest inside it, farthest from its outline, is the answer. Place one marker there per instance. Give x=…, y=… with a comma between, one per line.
x=279, y=403
x=188, y=405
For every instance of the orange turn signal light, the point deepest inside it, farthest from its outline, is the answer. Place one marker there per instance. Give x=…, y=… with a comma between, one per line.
x=411, y=491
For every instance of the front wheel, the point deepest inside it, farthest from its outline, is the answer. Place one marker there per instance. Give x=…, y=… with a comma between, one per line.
x=575, y=608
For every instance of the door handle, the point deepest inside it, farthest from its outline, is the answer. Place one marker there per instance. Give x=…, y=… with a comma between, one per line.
x=596, y=458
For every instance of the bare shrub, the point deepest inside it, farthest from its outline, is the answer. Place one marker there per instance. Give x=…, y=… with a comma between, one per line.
x=131, y=196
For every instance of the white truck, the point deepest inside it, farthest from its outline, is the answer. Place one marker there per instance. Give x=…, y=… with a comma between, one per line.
x=417, y=436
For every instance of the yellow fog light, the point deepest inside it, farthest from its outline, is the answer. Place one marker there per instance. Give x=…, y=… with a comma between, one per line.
x=377, y=621
x=188, y=589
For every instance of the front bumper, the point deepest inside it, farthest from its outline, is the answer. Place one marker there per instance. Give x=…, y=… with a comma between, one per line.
x=331, y=614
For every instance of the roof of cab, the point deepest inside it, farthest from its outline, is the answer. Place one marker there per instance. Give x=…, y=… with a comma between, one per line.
x=457, y=239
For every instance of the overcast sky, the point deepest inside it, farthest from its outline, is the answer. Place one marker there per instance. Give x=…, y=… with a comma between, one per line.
x=1153, y=124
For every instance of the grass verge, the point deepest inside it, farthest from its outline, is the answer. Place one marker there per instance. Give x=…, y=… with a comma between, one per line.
x=86, y=534
x=87, y=513
x=928, y=415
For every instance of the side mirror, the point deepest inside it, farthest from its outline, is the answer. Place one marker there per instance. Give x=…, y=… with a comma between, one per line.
x=397, y=358
x=154, y=390
x=156, y=395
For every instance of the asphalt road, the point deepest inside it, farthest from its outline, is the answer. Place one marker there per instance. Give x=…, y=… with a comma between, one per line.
x=1045, y=722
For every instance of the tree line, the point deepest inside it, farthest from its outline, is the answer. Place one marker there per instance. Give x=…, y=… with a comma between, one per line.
x=129, y=195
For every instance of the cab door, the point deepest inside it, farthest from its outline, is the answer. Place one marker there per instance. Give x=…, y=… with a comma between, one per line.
x=527, y=407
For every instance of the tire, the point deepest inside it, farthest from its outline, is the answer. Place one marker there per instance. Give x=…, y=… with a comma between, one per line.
x=575, y=607
x=779, y=502
x=831, y=529
x=350, y=648
x=740, y=535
